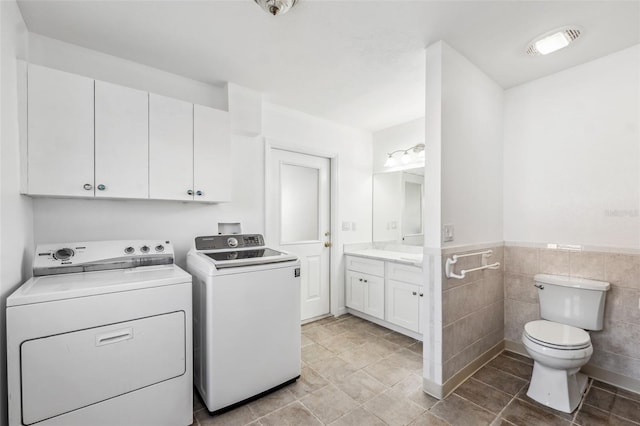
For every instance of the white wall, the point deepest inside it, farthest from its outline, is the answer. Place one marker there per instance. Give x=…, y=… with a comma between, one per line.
x=16, y=217
x=402, y=136
x=471, y=157
x=572, y=155
x=100, y=66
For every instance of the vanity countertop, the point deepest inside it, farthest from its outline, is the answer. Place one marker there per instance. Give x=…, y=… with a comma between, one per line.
x=412, y=259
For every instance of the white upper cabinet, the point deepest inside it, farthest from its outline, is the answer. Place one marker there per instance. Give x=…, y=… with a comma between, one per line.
x=89, y=138
x=121, y=142
x=60, y=133
x=170, y=148
x=211, y=154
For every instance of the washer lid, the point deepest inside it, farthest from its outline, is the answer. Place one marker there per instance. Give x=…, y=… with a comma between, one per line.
x=557, y=335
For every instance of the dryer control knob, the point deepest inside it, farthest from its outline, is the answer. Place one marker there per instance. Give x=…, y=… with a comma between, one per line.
x=160, y=248
x=63, y=254
x=232, y=242
x=129, y=250
x=144, y=249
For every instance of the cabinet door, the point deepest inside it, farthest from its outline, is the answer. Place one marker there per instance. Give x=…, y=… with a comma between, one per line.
x=374, y=303
x=211, y=154
x=356, y=288
x=122, y=141
x=60, y=133
x=403, y=304
x=170, y=149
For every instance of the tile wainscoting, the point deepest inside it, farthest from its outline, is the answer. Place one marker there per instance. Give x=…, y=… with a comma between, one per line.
x=617, y=346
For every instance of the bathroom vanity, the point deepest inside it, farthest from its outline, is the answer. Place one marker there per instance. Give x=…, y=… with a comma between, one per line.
x=386, y=287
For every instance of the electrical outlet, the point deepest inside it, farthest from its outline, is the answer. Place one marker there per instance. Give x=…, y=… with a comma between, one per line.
x=346, y=226
x=394, y=225
x=447, y=233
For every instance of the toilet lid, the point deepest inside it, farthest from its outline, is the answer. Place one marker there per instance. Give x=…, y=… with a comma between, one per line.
x=557, y=335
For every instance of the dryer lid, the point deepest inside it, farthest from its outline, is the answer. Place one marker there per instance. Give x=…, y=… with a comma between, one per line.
x=557, y=335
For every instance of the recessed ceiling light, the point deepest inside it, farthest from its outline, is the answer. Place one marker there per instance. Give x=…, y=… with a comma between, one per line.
x=553, y=41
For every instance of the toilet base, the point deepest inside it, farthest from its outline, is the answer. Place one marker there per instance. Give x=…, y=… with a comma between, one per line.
x=561, y=390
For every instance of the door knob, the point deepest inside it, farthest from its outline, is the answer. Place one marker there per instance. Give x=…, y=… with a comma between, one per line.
x=102, y=187
x=88, y=186
x=190, y=192
x=327, y=244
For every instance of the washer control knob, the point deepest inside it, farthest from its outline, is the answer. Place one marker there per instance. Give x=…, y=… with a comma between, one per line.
x=129, y=250
x=160, y=248
x=144, y=249
x=232, y=242
x=63, y=254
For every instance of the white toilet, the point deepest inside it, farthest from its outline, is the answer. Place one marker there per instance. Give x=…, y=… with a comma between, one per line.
x=558, y=343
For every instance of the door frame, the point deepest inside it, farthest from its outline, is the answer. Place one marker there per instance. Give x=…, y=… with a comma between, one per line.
x=334, y=259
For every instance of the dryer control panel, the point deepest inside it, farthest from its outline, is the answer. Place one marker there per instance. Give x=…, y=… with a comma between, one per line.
x=66, y=258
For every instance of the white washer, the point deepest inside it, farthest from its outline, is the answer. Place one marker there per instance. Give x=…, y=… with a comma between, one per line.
x=246, y=319
x=101, y=336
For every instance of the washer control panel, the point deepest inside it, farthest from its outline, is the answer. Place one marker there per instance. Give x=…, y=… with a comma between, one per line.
x=221, y=242
x=98, y=255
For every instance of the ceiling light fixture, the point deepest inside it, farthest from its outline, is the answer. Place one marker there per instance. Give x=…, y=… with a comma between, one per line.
x=409, y=155
x=553, y=41
x=276, y=7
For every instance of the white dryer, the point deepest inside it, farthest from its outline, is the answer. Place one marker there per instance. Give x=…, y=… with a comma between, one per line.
x=246, y=318
x=101, y=336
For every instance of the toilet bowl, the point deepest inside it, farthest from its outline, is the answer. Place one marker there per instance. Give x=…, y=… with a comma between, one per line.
x=558, y=351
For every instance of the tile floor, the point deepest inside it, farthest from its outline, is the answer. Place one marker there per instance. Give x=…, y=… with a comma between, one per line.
x=357, y=373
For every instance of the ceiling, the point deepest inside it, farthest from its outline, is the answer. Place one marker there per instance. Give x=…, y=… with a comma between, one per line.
x=356, y=62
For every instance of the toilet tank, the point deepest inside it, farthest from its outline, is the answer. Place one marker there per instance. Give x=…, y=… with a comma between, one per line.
x=574, y=301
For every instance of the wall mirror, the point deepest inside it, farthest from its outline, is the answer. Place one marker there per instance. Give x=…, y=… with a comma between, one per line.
x=398, y=204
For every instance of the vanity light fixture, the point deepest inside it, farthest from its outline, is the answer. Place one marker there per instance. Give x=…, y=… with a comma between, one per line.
x=409, y=155
x=276, y=7
x=553, y=41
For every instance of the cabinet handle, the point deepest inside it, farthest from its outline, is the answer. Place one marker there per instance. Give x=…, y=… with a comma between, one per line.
x=360, y=279
x=102, y=187
x=190, y=192
x=199, y=193
x=421, y=294
x=88, y=186
x=415, y=293
x=365, y=281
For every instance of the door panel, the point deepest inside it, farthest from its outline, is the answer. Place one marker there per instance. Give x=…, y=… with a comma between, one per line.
x=170, y=148
x=122, y=141
x=211, y=154
x=68, y=371
x=403, y=304
x=299, y=221
x=60, y=128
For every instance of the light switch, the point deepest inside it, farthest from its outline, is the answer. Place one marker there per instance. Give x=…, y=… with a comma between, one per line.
x=447, y=233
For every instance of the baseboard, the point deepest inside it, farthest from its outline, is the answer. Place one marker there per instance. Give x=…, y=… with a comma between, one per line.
x=461, y=376
x=442, y=391
x=590, y=370
x=385, y=324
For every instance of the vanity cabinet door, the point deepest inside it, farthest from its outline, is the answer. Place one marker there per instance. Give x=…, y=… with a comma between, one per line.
x=356, y=286
x=365, y=293
x=60, y=133
x=374, y=302
x=404, y=302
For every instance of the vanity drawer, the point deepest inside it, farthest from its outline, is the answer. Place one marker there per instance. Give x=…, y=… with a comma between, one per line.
x=404, y=273
x=366, y=266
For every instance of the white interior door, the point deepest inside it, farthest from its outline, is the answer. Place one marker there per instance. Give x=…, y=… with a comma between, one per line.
x=299, y=222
